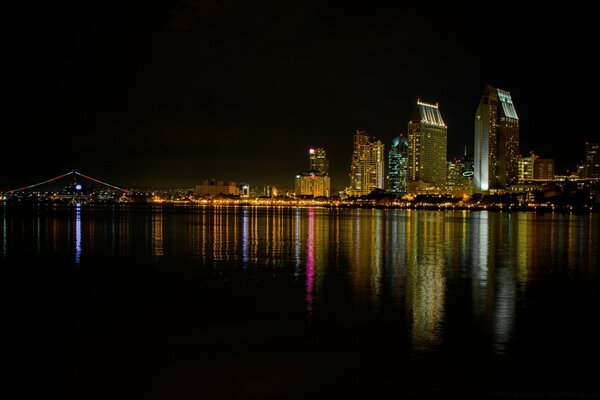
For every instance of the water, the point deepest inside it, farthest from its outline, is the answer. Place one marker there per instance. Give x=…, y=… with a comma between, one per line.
x=259, y=303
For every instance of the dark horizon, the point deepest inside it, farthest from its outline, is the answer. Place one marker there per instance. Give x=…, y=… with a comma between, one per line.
x=175, y=92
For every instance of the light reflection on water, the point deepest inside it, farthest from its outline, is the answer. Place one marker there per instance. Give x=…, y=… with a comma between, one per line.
x=399, y=260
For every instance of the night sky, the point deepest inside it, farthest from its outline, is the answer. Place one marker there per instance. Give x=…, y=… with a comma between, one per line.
x=170, y=93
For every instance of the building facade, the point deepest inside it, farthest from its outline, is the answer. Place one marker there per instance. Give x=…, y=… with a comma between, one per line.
x=313, y=184
x=367, y=168
x=496, y=141
x=427, y=142
x=544, y=169
x=397, y=163
x=318, y=160
x=592, y=160
x=212, y=188
x=526, y=167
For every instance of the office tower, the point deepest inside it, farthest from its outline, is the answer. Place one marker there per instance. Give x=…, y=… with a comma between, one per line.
x=318, y=160
x=592, y=160
x=367, y=169
x=496, y=140
x=314, y=182
x=525, y=167
x=455, y=175
x=427, y=140
x=397, y=160
x=467, y=169
x=544, y=169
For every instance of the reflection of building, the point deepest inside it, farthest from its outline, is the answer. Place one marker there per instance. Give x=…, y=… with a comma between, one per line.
x=427, y=139
x=318, y=160
x=397, y=159
x=367, y=169
x=592, y=160
x=496, y=140
x=213, y=188
x=525, y=167
x=312, y=184
x=544, y=169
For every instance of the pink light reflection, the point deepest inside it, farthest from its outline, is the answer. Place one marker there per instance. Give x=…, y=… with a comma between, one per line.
x=310, y=261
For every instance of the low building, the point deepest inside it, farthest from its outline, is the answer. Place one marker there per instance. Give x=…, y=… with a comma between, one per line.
x=213, y=188
x=313, y=183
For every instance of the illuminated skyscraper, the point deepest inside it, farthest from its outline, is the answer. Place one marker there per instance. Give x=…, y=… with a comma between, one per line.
x=367, y=169
x=315, y=182
x=318, y=160
x=427, y=141
x=592, y=160
x=397, y=160
x=496, y=141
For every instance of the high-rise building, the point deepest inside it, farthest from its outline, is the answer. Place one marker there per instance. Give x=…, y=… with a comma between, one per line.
x=455, y=174
x=314, y=182
x=318, y=160
x=496, y=140
x=544, y=169
x=592, y=160
x=427, y=141
x=397, y=162
x=525, y=167
x=467, y=169
x=367, y=169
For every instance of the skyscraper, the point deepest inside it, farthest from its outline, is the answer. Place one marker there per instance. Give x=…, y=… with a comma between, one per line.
x=314, y=182
x=496, y=140
x=367, y=169
x=318, y=160
x=397, y=160
x=592, y=160
x=427, y=141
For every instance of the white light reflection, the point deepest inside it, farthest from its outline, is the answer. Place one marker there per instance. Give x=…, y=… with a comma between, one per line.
x=245, y=239
x=157, y=233
x=77, y=233
x=4, y=232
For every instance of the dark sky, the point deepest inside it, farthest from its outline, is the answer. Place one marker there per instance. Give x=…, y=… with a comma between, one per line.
x=170, y=93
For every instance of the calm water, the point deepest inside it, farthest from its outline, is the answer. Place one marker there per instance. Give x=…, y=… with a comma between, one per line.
x=246, y=302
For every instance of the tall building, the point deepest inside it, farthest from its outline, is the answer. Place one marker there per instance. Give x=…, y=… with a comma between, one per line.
x=526, y=167
x=496, y=140
x=467, y=169
x=427, y=141
x=314, y=182
x=397, y=162
x=592, y=160
x=318, y=160
x=367, y=169
x=455, y=174
x=544, y=169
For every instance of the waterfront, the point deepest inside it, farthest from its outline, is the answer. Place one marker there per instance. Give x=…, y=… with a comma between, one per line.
x=280, y=302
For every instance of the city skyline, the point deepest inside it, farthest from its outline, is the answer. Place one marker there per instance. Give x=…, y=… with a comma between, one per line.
x=167, y=94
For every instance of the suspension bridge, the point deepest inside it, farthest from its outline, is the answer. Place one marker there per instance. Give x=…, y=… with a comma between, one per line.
x=77, y=187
